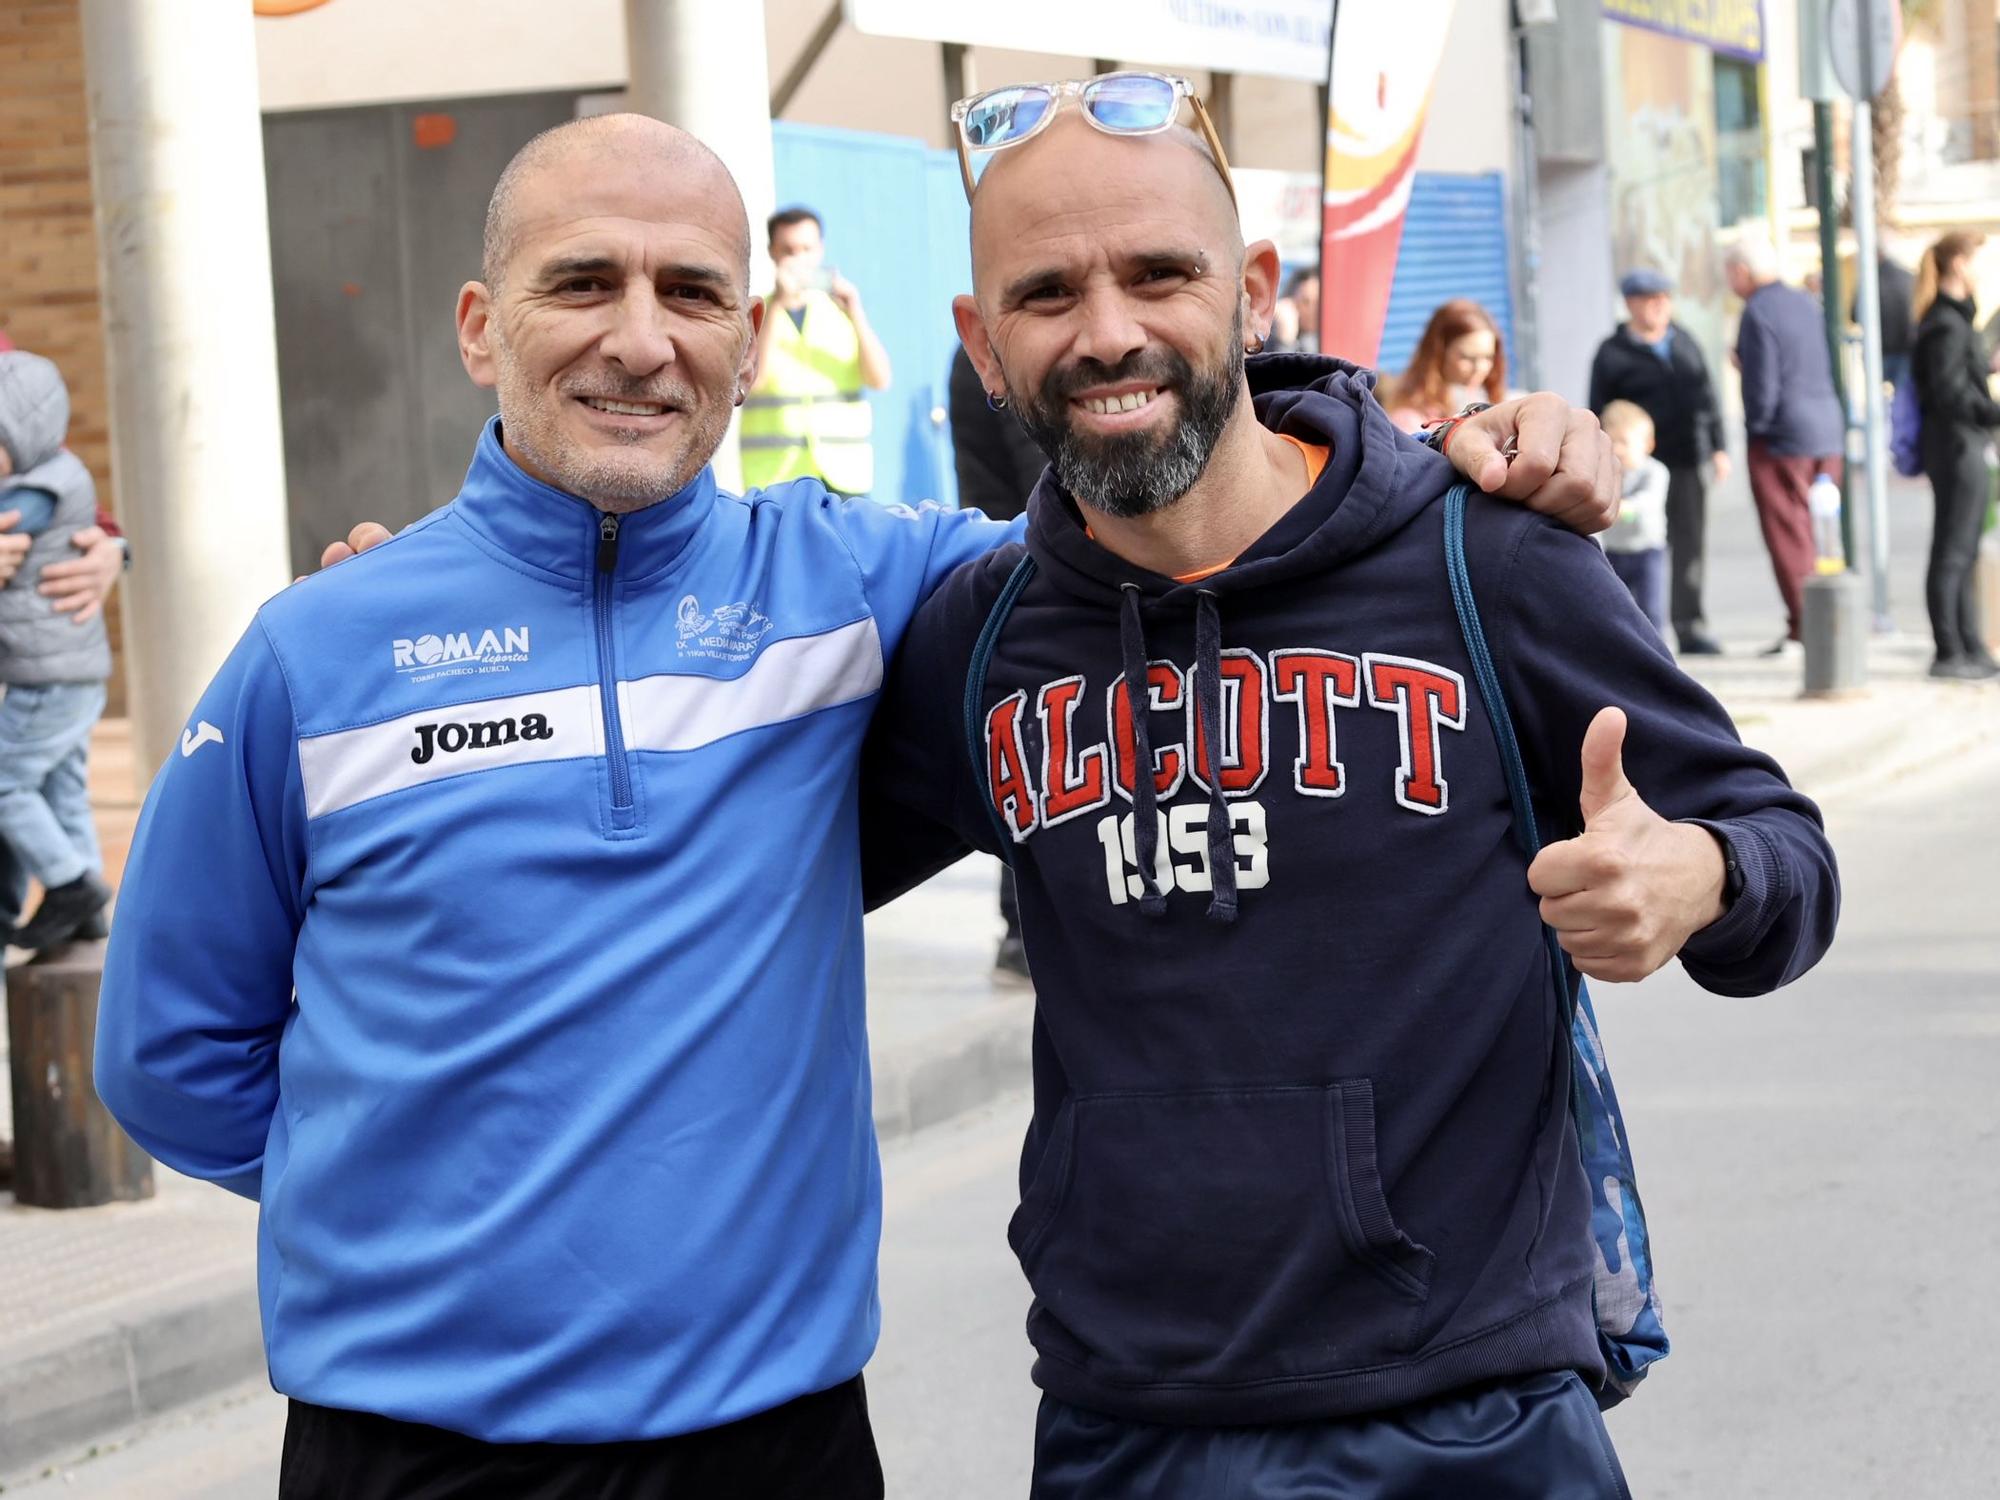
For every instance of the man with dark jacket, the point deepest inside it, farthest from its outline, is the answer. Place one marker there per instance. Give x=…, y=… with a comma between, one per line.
x=997, y=462
x=1655, y=363
x=1896, y=297
x=1303, y=1210
x=1790, y=413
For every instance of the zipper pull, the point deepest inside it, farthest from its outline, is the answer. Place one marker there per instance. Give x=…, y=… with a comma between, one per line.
x=607, y=544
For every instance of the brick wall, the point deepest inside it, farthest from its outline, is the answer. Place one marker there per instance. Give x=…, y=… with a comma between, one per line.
x=48, y=237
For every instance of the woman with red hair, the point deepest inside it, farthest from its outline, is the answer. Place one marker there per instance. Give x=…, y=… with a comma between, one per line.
x=1460, y=359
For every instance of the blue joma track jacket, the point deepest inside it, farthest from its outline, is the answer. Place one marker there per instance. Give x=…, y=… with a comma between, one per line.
x=497, y=926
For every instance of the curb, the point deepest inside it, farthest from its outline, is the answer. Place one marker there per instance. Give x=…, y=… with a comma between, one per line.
x=955, y=1069
x=1903, y=734
x=206, y=1339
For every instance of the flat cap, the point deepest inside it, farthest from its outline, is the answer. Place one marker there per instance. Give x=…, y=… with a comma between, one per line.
x=1645, y=282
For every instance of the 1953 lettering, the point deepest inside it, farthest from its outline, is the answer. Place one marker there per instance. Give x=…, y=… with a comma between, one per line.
x=1181, y=861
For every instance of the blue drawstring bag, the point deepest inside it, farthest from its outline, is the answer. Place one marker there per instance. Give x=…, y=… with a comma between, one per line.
x=1906, y=430
x=1630, y=1333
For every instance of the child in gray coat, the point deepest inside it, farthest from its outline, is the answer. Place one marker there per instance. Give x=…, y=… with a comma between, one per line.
x=1637, y=540
x=54, y=669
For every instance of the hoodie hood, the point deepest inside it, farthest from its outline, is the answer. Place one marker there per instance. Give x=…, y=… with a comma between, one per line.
x=1376, y=481
x=34, y=409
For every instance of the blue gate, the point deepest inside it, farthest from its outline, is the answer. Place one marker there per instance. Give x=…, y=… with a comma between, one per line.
x=1454, y=245
x=896, y=226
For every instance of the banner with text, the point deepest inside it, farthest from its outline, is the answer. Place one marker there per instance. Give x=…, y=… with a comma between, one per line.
x=1732, y=26
x=1384, y=63
x=1274, y=38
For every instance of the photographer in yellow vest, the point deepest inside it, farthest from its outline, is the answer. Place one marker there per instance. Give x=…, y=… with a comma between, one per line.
x=807, y=414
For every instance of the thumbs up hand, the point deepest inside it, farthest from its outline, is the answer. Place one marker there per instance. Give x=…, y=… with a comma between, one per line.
x=1627, y=892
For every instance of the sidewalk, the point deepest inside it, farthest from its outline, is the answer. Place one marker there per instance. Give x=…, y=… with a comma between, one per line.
x=111, y=1314
x=1835, y=747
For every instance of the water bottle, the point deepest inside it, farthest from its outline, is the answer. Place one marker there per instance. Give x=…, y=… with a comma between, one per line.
x=1823, y=500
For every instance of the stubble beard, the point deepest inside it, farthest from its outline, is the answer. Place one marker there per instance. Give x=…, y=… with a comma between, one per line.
x=628, y=478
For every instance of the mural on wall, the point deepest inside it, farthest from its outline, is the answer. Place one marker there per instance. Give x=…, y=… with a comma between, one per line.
x=1384, y=62
x=1660, y=110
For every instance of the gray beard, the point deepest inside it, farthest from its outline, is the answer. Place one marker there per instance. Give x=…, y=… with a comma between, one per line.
x=1133, y=476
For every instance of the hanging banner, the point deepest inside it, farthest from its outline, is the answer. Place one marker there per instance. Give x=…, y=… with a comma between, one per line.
x=1732, y=26
x=1272, y=38
x=1384, y=63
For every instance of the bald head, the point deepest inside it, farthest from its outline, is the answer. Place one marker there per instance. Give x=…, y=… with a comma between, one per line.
x=643, y=143
x=1073, y=171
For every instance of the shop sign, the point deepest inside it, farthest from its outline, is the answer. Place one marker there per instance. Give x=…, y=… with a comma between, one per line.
x=1735, y=27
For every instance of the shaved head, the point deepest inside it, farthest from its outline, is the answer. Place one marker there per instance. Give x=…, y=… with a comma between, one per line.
x=1072, y=162
x=637, y=139
x=614, y=318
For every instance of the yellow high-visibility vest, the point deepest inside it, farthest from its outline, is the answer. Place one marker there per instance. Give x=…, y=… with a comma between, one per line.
x=808, y=417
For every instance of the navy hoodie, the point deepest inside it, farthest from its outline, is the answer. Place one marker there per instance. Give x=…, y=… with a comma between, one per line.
x=1301, y=1146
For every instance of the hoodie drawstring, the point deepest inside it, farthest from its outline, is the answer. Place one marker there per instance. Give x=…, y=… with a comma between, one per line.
x=1208, y=704
x=1145, y=797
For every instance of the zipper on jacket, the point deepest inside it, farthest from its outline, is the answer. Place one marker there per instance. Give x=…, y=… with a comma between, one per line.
x=607, y=679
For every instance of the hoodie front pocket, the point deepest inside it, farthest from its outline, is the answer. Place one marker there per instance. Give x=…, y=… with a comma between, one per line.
x=1219, y=1235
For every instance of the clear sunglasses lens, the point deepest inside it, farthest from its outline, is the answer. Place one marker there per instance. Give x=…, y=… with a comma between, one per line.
x=1130, y=102
x=1004, y=115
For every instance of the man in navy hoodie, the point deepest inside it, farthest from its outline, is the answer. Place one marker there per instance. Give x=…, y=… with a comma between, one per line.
x=1302, y=1206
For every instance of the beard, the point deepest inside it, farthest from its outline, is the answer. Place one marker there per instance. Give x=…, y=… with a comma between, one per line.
x=1136, y=473
x=637, y=468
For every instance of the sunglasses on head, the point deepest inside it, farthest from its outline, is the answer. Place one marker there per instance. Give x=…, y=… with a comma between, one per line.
x=1115, y=103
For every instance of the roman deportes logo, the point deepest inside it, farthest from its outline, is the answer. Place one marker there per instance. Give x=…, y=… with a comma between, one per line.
x=460, y=653
x=434, y=740
x=729, y=632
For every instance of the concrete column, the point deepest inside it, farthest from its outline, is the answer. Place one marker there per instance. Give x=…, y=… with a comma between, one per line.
x=177, y=156
x=703, y=66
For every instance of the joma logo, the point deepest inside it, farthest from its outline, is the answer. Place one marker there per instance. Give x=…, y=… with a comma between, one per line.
x=486, y=734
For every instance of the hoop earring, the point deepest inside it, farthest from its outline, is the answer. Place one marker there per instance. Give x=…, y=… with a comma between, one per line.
x=995, y=403
x=1255, y=346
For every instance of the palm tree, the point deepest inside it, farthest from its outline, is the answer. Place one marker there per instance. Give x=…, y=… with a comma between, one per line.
x=1887, y=122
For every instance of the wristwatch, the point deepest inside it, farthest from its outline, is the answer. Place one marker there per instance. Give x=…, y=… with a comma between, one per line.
x=1732, y=875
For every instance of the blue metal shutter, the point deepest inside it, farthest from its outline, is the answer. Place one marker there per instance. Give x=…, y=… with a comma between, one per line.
x=1454, y=245
x=897, y=226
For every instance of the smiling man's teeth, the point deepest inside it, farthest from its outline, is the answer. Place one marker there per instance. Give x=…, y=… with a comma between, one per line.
x=1104, y=406
x=625, y=408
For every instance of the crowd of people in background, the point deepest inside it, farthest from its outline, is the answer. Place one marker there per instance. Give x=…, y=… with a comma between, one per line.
x=1651, y=385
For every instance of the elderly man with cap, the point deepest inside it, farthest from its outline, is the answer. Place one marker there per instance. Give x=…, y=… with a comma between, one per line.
x=1655, y=363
